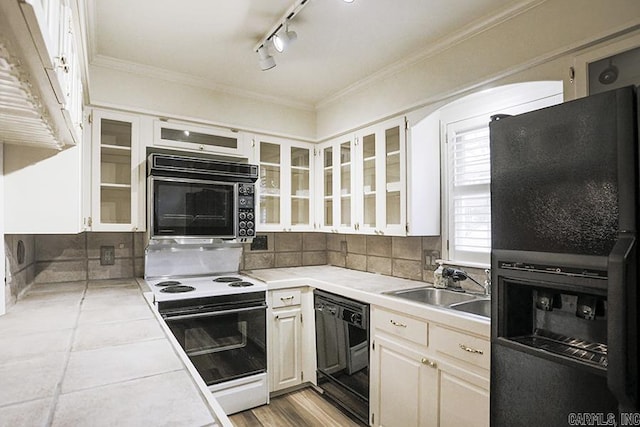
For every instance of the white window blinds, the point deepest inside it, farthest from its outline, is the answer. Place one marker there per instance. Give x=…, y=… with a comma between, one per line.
x=470, y=203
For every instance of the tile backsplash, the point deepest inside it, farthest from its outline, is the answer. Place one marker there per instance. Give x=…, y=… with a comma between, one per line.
x=387, y=255
x=287, y=250
x=53, y=258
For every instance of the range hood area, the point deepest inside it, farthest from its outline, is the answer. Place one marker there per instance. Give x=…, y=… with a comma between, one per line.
x=40, y=85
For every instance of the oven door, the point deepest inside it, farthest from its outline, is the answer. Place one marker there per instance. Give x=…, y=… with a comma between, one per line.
x=181, y=207
x=223, y=345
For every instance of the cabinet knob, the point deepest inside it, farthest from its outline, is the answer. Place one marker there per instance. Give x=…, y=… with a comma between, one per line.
x=202, y=147
x=429, y=363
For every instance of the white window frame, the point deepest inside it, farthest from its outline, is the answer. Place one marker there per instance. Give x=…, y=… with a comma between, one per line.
x=470, y=112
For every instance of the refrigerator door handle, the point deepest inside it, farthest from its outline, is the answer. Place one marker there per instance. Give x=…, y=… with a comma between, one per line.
x=622, y=369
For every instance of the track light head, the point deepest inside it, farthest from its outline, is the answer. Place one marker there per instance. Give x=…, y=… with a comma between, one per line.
x=265, y=60
x=282, y=39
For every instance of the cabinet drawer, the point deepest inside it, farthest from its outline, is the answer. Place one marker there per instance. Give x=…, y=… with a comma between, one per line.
x=461, y=346
x=403, y=326
x=285, y=298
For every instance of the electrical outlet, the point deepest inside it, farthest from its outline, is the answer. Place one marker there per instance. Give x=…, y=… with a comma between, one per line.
x=260, y=243
x=107, y=255
x=429, y=259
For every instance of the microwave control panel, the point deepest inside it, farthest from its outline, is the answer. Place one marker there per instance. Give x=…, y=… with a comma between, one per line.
x=246, y=210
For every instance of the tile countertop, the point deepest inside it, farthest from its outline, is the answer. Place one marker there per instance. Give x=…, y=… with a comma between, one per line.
x=368, y=287
x=93, y=353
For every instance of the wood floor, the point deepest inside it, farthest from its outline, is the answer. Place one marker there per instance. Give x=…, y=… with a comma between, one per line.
x=300, y=408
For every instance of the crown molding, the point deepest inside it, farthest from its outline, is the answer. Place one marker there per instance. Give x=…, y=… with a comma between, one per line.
x=474, y=28
x=190, y=80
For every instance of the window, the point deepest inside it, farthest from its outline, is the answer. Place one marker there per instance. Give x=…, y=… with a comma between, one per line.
x=467, y=175
x=469, y=192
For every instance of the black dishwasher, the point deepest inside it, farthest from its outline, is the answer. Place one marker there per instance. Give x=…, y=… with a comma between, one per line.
x=342, y=349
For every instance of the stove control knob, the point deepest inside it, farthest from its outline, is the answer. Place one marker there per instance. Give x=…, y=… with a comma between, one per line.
x=250, y=224
x=250, y=232
x=250, y=216
x=243, y=224
x=243, y=232
x=242, y=215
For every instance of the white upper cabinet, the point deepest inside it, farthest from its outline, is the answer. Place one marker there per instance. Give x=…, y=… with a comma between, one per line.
x=336, y=185
x=42, y=78
x=363, y=181
x=380, y=179
x=423, y=176
x=204, y=139
x=117, y=190
x=285, y=191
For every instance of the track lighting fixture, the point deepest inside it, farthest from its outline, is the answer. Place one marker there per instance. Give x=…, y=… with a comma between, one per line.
x=266, y=60
x=282, y=39
x=279, y=36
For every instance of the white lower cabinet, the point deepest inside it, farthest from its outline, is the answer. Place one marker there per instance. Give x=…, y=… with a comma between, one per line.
x=291, y=344
x=286, y=369
x=404, y=390
x=423, y=374
x=463, y=397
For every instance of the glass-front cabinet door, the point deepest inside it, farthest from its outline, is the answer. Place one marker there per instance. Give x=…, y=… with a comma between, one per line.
x=381, y=193
x=337, y=186
x=300, y=186
x=327, y=215
x=394, y=194
x=115, y=176
x=285, y=193
x=269, y=186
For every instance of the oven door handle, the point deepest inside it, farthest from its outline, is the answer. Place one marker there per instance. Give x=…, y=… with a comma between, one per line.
x=214, y=313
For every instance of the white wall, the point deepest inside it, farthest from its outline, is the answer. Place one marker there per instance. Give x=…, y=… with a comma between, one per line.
x=161, y=97
x=536, y=45
x=2, y=271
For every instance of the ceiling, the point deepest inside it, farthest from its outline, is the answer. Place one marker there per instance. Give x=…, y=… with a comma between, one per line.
x=212, y=42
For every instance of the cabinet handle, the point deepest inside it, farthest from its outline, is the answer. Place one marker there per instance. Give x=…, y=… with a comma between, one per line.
x=286, y=298
x=470, y=349
x=429, y=363
x=394, y=323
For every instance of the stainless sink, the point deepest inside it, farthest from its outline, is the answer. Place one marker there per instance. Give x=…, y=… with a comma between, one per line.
x=434, y=296
x=480, y=307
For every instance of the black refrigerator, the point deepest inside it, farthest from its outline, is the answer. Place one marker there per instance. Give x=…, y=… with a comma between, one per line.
x=564, y=223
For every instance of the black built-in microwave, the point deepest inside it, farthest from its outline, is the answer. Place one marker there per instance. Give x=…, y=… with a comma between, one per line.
x=199, y=198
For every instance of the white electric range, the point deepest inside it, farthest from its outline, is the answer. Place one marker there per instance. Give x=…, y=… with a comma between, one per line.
x=219, y=319
x=184, y=288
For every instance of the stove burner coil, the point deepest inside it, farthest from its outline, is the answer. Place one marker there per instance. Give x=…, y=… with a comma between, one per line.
x=227, y=279
x=168, y=283
x=176, y=289
x=240, y=284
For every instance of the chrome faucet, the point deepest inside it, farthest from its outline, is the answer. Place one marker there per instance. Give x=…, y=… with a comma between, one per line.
x=454, y=276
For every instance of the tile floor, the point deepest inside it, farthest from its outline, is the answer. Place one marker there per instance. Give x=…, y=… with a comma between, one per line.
x=92, y=353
